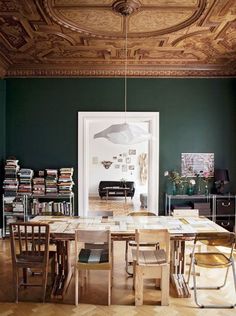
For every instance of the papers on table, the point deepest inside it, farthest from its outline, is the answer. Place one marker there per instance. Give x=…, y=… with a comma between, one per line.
x=128, y=224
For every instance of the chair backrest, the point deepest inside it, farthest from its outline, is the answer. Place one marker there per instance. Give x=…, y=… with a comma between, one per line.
x=31, y=239
x=186, y=212
x=225, y=239
x=93, y=237
x=160, y=236
x=142, y=213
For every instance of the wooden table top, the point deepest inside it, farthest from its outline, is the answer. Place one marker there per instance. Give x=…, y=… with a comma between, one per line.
x=185, y=226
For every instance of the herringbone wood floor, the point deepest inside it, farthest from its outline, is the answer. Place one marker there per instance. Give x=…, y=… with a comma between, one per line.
x=93, y=300
x=118, y=205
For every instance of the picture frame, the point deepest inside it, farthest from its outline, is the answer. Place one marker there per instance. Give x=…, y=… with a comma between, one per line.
x=132, y=151
x=128, y=160
x=197, y=163
x=124, y=168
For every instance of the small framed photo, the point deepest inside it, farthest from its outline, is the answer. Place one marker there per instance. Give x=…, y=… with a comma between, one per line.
x=132, y=151
x=124, y=168
x=95, y=160
x=131, y=167
x=120, y=160
x=114, y=157
x=128, y=160
x=117, y=166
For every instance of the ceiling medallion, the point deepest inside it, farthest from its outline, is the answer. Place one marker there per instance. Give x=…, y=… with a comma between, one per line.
x=126, y=7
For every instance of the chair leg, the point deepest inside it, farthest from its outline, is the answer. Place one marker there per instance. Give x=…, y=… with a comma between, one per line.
x=16, y=282
x=76, y=285
x=195, y=294
x=25, y=278
x=44, y=283
x=138, y=286
x=109, y=286
x=134, y=274
x=234, y=276
x=165, y=285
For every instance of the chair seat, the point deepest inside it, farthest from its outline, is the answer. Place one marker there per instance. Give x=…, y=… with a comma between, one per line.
x=211, y=260
x=93, y=256
x=147, y=257
x=29, y=257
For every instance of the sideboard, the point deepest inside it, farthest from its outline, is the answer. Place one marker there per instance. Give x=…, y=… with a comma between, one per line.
x=219, y=208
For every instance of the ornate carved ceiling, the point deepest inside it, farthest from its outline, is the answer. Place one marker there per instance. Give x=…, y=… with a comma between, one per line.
x=178, y=38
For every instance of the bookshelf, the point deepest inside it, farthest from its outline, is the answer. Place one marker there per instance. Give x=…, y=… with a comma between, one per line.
x=50, y=204
x=27, y=194
x=13, y=210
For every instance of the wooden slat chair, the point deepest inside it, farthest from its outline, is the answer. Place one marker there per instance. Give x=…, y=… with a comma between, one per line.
x=92, y=259
x=29, y=250
x=131, y=243
x=152, y=264
x=213, y=258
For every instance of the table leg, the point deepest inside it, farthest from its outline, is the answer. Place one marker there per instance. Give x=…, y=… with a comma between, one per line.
x=177, y=263
x=63, y=269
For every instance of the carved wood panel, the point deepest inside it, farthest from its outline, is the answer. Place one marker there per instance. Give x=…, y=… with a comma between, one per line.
x=87, y=38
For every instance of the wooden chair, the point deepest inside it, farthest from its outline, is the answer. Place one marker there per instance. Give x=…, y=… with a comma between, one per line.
x=131, y=243
x=213, y=258
x=29, y=250
x=152, y=264
x=92, y=259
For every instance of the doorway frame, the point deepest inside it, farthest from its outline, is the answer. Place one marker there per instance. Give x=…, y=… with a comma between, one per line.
x=84, y=121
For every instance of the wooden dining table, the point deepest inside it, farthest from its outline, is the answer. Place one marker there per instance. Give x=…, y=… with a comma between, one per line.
x=62, y=232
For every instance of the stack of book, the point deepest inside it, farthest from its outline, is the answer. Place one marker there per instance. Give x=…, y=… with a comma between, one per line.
x=51, y=181
x=65, y=181
x=10, y=183
x=25, y=177
x=38, y=186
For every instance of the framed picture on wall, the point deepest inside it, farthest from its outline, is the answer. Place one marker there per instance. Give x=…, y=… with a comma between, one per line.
x=131, y=167
x=196, y=163
x=120, y=160
x=132, y=151
x=128, y=160
x=117, y=166
x=124, y=168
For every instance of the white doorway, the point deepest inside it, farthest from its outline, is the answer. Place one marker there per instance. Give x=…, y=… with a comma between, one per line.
x=90, y=169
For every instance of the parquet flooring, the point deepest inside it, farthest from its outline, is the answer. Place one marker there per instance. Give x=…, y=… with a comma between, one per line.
x=118, y=205
x=94, y=298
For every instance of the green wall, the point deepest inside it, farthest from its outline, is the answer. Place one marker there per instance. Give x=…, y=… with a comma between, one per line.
x=196, y=115
x=2, y=136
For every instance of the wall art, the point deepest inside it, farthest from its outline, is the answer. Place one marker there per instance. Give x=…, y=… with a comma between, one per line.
x=197, y=163
x=132, y=151
x=128, y=160
x=106, y=164
x=124, y=168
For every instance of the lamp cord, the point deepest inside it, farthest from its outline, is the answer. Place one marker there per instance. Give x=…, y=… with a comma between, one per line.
x=126, y=57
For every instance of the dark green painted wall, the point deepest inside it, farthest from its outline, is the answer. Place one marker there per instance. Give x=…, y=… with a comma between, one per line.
x=2, y=136
x=196, y=115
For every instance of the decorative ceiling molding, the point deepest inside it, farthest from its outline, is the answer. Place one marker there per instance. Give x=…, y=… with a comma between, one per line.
x=71, y=38
x=103, y=19
x=102, y=72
